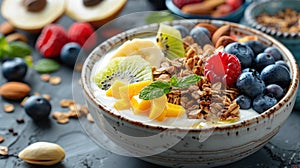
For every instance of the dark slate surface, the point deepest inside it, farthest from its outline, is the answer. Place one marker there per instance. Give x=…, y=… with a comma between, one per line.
x=283, y=150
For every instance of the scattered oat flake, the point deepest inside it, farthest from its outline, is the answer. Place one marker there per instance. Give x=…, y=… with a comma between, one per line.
x=46, y=96
x=61, y=118
x=23, y=101
x=3, y=150
x=55, y=80
x=66, y=103
x=1, y=139
x=75, y=107
x=36, y=93
x=8, y=108
x=73, y=114
x=90, y=118
x=45, y=77
x=84, y=110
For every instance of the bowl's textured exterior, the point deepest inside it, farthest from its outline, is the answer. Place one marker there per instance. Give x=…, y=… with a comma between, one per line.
x=224, y=144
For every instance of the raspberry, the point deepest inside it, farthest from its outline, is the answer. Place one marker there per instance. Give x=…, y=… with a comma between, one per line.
x=222, y=67
x=83, y=34
x=181, y=3
x=51, y=40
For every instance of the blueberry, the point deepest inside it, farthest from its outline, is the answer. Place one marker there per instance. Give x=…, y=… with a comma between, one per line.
x=251, y=70
x=276, y=74
x=183, y=30
x=201, y=35
x=282, y=63
x=274, y=52
x=250, y=84
x=37, y=107
x=256, y=46
x=242, y=52
x=262, y=60
x=274, y=91
x=69, y=53
x=244, y=102
x=263, y=102
x=14, y=69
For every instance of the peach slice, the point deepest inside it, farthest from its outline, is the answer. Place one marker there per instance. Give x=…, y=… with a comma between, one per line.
x=157, y=107
x=128, y=91
x=174, y=110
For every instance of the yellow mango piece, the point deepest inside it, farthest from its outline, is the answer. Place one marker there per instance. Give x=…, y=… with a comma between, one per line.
x=122, y=105
x=157, y=106
x=139, y=105
x=113, y=91
x=162, y=116
x=174, y=110
x=128, y=91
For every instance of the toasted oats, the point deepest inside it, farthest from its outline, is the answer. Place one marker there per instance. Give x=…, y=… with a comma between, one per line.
x=78, y=67
x=8, y=108
x=36, y=94
x=55, y=80
x=75, y=107
x=46, y=96
x=1, y=139
x=66, y=103
x=23, y=101
x=61, y=118
x=3, y=150
x=45, y=77
x=84, y=110
x=72, y=114
x=90, y=118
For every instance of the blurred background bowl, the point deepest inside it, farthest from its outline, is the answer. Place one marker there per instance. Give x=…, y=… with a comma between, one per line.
x=234, y=16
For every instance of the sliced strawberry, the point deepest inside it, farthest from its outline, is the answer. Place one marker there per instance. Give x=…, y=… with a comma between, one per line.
x=181, y=3
x=51, y=40
x=83, y=34
x=222, y=67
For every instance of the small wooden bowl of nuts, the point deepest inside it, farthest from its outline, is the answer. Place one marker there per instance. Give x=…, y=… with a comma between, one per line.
x=279, y=19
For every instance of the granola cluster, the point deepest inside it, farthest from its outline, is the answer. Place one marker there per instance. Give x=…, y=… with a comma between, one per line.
x=205, y=100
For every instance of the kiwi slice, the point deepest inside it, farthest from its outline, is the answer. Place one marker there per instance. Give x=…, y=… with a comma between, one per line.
x=129, y=69
x=169, y=40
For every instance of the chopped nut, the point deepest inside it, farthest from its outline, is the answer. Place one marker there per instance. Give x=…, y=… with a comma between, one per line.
x=66, y=103
x=3, y=150
x=90, y=118
x=1, y=139
x=6, y=28
x=45, y=77
x=8, y=108
x=55, y=80
x=16, y=37
x=46, y=96
x=23, y=101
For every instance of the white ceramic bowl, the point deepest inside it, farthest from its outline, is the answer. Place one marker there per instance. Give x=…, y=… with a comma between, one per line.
x=201, y=147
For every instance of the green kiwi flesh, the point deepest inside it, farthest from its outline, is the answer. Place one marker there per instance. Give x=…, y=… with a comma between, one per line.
x=129, y=69
x=170, y=41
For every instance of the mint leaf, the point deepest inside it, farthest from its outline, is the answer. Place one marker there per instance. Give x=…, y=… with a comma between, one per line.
x=18, y=49
x=46, y=66
x=29, y=61
x=155, y=90
x=3, y=47
x=187, y=81
x=174, y=81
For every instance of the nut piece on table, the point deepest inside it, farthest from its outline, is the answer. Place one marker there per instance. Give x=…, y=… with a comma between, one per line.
x=42, y=153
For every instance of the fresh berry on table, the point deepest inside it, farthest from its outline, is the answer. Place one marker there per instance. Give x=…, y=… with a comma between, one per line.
x=37, y=107
x=14, y=69
x=83, y=34
x=69, y=53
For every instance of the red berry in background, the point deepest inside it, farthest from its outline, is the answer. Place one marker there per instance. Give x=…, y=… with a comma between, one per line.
x=83, y=34
x=222, y=67
x=234, y=3
x=181, y=3
x=51, y=40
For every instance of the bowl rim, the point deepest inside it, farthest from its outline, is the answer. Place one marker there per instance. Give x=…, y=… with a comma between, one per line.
x=266, y=114
x=172, y=7
x=250, y=18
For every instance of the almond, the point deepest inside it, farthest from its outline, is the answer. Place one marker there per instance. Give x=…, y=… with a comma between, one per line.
x=6, y=28
x=223, y=41
x=16, y=37
x=211, y=28
x=14, y=90
x=222, y=31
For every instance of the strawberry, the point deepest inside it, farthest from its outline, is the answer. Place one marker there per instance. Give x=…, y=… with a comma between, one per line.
x=181, y=3
x=234, y=3
x=83, y=34
x=51, y=40
x=222, y=67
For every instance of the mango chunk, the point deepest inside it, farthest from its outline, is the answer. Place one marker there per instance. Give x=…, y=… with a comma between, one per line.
x=113, y=91
x=122, y=105
x=162, y=116
x=174, y=110
x=157, y=106
x=128, y=91
x=139, y=105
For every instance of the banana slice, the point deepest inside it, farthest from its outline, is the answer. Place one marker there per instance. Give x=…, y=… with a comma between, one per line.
x=143, y=47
